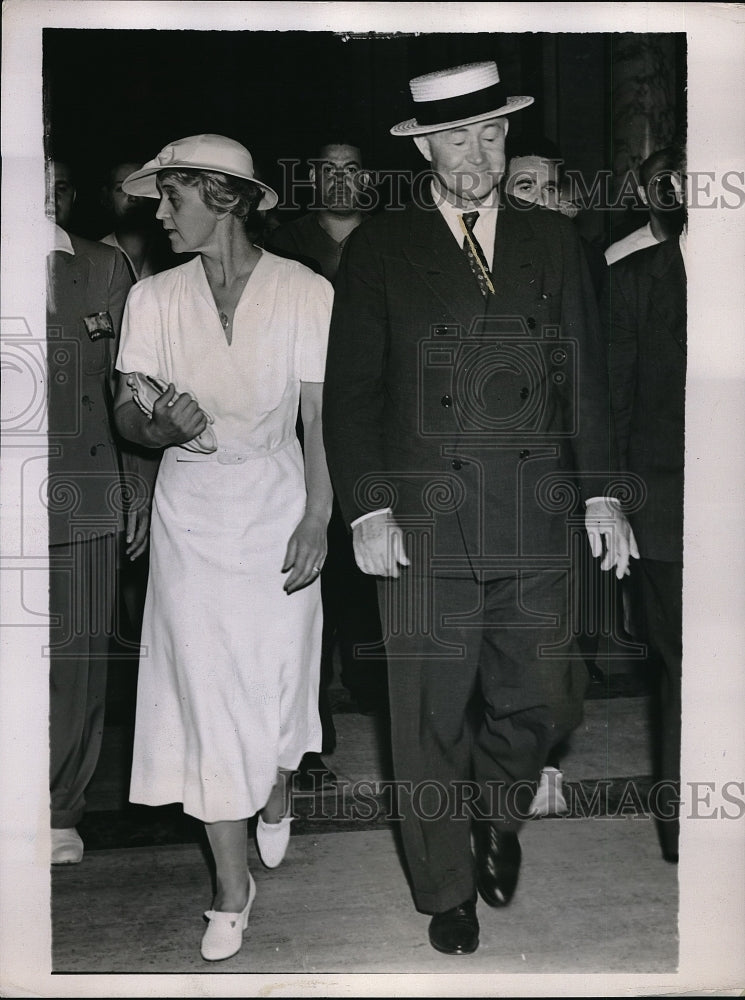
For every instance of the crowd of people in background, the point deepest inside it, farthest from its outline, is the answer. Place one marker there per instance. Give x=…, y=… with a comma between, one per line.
x=270, y=455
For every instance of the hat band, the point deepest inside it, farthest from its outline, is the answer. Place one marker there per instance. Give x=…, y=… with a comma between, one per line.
x=453, y=109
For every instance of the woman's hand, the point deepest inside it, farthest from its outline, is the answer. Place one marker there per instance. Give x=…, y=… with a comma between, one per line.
x=176, y=419
x=306, y=553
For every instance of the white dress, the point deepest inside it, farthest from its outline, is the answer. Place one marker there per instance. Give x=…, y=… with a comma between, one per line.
x=228, y=677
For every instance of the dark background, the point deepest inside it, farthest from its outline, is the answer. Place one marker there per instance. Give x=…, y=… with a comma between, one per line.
x=121, y=95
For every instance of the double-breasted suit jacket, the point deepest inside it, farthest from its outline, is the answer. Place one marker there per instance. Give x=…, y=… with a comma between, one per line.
x=84, y=491
x=644, y=310
x=468, y=417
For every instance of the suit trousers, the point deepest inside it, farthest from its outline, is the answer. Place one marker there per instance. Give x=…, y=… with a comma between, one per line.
x=660, y=610
x=82, y=582
x=484, y=679
x=351, y=619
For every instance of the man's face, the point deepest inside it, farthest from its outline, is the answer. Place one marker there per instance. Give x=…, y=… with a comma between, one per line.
x=338, y=178
x=60, y=195
x=535, y=179
x=125, y=206
x=469, y=160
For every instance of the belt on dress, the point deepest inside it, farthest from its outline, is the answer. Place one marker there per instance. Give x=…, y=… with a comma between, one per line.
x=226, y=456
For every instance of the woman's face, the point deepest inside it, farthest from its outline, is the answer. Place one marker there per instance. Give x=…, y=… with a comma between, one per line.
x=187, y=220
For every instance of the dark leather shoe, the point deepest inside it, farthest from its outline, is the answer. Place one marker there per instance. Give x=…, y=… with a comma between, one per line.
x=498, y=857
x=456, y=931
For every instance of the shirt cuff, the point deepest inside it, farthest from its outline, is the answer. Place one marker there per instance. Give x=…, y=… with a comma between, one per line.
x=371, y=513
x=606, y=499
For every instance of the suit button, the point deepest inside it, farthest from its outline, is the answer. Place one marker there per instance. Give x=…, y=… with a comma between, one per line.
x=531, y=323
x=446, y=401
x=456, y=464
x=524, y=392
x=525, y=453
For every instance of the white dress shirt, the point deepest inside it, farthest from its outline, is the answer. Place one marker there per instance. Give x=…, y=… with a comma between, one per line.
x=58, y=239
x=637, y=240
x=486, y=225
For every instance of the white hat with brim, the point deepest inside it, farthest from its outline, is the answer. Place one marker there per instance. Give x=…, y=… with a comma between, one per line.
x=460, y=96
x=198, y=152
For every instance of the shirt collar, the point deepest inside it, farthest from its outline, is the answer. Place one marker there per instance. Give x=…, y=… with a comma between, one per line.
x=450, y=211
x=485, y=229
x=58, y=239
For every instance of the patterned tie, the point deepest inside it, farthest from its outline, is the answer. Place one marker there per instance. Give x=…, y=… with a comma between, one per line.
x=475, y=254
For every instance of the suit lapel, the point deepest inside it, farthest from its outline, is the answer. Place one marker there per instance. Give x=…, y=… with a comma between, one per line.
x=668, y=299
x=443, y=266
x=514, y=259
x=73, y=273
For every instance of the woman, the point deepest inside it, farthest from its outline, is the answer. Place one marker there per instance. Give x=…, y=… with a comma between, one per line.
x=228, y=687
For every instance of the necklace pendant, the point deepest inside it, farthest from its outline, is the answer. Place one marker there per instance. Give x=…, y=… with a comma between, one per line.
x=224, y=320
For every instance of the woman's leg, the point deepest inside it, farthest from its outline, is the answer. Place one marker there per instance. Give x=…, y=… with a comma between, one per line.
x=278, y=803
x=229, y=842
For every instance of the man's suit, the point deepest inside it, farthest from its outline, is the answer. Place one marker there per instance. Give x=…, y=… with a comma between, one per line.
x=469, y=417
x=85, y=504
x=644, y=311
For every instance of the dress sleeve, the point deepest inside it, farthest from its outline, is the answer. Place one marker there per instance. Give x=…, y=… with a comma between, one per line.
x=138, y=348
x=314, y=318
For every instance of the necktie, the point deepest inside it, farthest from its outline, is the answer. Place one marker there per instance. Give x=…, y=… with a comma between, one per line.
x=475, y=254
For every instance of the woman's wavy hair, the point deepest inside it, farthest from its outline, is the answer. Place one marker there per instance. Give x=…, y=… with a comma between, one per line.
x=220, y=192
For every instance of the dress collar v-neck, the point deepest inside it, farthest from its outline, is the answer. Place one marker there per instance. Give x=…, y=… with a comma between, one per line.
x=203, y=286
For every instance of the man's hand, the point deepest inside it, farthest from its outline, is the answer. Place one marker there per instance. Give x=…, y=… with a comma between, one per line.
x=379, y=545
x=604, y=519
x=138, y=527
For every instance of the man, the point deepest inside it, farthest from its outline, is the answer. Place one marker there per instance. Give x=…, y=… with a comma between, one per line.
x=449, y=408
x=665, y=213
x=87, y=285
x=135, y=232
x=644, y=309
x=140, y=239
x=535, y=173
x=350, y=607
x=318, y=237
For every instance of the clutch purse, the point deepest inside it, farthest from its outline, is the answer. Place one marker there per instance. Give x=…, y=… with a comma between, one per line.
x=146, y=390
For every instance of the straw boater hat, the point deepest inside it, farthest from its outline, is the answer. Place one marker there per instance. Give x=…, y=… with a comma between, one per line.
x=198, y=152
x=460, y=96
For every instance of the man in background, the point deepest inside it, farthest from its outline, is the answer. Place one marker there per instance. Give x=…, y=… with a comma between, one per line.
x=97, y=513
x=535, y=173
x=350, y=605
x=644, y=311
x=140, y=238
x=135, y=231
x=318, y=237
x=666, y=216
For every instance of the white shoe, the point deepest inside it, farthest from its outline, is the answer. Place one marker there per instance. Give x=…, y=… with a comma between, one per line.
x=272, y=840
x=549, y=798
x=224, y=934
x=67, y=847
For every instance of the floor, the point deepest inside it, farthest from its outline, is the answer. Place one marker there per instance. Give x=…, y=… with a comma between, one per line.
x=595, y=896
